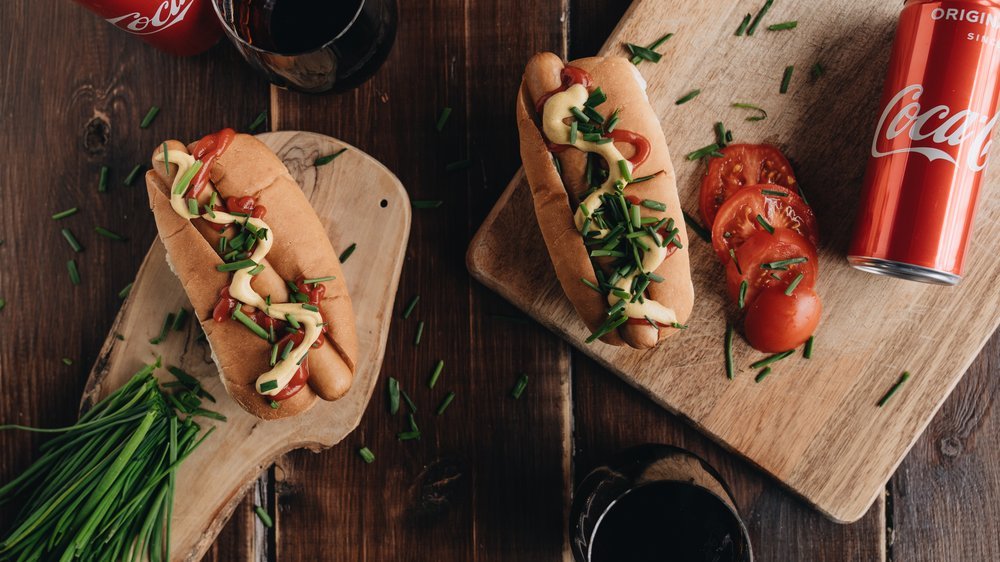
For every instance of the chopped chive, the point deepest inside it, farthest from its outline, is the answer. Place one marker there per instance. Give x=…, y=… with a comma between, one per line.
x=816, y=71
x=764, y=224
x=743, y=25
x=458, y=165
x=324, y=160
x=642, y=53
x=124, y=292
x=409, y=307
x=580, y=116
x=687, y=97
x=783, y=264
x=310, y=307
x=655, y=205
x=393, y=390
x=774, y=192
x=347, y=253
x=771, y=359
x=366, y=455
x=419, y=334
x=108, y=234
x=64, y=214
x=595, y=116
x=3, y=303
x=678, y=326
x=435, y=374
x=519, y=386
x=166, y=160
x=193, y=206
x=761, y=117
x=275, y=405
x=167, y=323
x=180, y=320
x=257, y=270
x=645, y=178
x=697, y=228
x=185, y=181
x=408, y=435
x=67, y=361
x=795, y=283
x=743, y=293
x=702, y=152
x=786, y=79
x=268, y=385
x=73, y=243
x=783, y=26
x=612, y=121
x=442, y=119
x=150, y=115
x=445, y=403
x=102, y=182
x=236, y=265
x=257, y=122
x=426, y=203
x=762, y=374
x=736, y=262
x=274, y=355
x=132, y=175
x=637, y=59
x=895, y=387
x=592, y=285
x=760, y=15
x=574, y=128
x=721, y=134
x=623, y=168
x=265, y=518
x=250, y=324
x=315, y=280
x=807, y=351
x=287, y=350
x=596, y=98
x=728, y=342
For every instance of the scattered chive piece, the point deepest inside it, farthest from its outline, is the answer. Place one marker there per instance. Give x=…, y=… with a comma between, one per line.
x=771, y=359
x=574, y=128
x=895, y=387
x=366, y=454
x=591, y=284
x=654, y=205
x=420, y=333
x=102, y=182
x=408, y=400
x=736, y=262
x=124, y=292
x=783, y=264
x=582, y=118
x=743, y=25
x=703, y=152
x=642, y=53
x=636, y=59
x=783, y=26
x=185, y=180
x=73, y=243
x=645, y=178
x=445, y=403
x=314, y=280
x=786, y=79
x=150, y=115
x=108, y=234
x=435, y=374
x=408, y=435
x=426, y=203
x=268, y=385
x=193, y=206
x=765, y=225
x=760, y=15
x=795, y=283
x=623, y=169
x=257, y=270
x=729, y=351
x=275, y=404
x=274, y=355
x=721, y=134
x=3, y=303
x=265, y=518
x=180, y=321
x=166, y=160
x=762, y=374
x=258, y=121
x=250, y=324
x=236, y=265
x=761, y=117
x=774, y=192
x=687, y=97
x=167, y=323
x=287, y=350
x=347, y=253
x=743, y=293
x=697, y=228
x=519, y=387
x=67, y=361
x=807, y=351
x=393, y=396
x=458, y=165
x=678, y=326
x=409, y=307
x=131, y=175
x=64, y=214
x=596, y=98
x=311, y=307
x=442, y=119
x=816, y=71
x=324, y=160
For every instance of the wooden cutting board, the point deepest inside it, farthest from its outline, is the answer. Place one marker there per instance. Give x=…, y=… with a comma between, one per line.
x=813, y=424
x=355, y=197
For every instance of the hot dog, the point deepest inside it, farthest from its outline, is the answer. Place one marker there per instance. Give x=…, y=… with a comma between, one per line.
x=262, y=276
x=618, y=242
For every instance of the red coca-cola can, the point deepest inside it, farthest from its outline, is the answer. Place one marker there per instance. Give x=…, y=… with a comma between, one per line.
x=938, y=112
x=180, y=27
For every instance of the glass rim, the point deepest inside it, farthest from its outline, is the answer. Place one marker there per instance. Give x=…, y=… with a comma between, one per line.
x=243, y=43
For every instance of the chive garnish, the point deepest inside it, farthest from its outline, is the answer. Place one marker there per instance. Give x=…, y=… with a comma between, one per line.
x=678, y=326
x=761, y=117
x=64, y=214
x=274, y=355
x=728, y=343
x=519, y=386
x=73, y=243
x=108, y=234
x=760, y=15
x=762, y=374
x=807, y=351
x=408, y=400
x=347, y=253
x=697, y=228
x=102, y=182
x=287, y=350
x=642, y=53
x=324, y=160
x=445, y=403
x=236, y=265
x=426, y=203
x=67, y=361
x=743, y=25
x=595, y=116
x=703, y=152
x=275, y=405
x=795, y=283
x=591, y=284
x=193, y=206
x=408, y=435
x=150, y=115
x=720, y=134
x=743, y=293
x=574, y=128
x=771, y=359
x=655, y=205
x=783, y=264
x=268, y=385
x=310, y=307
x=182, y=184
x=166, y=159
x=774, y=192
x=764, y=224
x=637, y=59
x=257, y=270
x=816, y=71
x=257, y=122
x=786, y=79
x=596, y=98
x=419, y=334
x=442, y=119
x=409, y=307
x=580, y=116
x=435, y=374
x=624, y=170
x=124, y=292
x=131, y=175
x=645, y=178
x=315, y=280
x=180, y=320
x=167, y=323
x=687, y=97
x=366, y=455
x=393, y=390
x=783, y=26
x=250, y=324
x=895, y=387
x=3, y=303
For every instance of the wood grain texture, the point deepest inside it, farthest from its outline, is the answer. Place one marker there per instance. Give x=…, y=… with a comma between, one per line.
x=844, y=449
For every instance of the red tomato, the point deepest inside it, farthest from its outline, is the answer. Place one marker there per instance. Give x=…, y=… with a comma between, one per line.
x=777, y=322
x=763, y=248
x=741, y=165
x=737, y=218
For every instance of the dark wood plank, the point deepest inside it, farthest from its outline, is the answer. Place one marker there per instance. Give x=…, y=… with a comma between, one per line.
x=476, y=486
x=945, y=497
x=74, y=91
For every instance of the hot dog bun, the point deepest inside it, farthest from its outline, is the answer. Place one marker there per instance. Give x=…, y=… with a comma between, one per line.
x=556, y=194
x=300, y=249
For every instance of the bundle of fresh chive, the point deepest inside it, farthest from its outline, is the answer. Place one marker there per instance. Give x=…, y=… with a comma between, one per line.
x=103, y=489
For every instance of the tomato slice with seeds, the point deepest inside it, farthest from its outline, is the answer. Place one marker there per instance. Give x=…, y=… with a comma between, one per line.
x=755, y=257
x=777, y=206
x=741, y=165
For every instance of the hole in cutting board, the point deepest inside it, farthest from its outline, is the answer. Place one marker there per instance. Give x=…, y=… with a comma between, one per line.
x=383, y=203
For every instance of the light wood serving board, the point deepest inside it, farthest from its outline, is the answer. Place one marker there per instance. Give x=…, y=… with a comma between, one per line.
x=358, y=200
x=812, y=424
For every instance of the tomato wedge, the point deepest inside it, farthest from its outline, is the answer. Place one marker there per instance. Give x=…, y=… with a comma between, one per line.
x=779, y=207
x=741, y=165
x=771, y=260
x=777, y=322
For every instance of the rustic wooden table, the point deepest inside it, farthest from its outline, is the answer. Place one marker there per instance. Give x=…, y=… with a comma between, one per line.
x=490, y=480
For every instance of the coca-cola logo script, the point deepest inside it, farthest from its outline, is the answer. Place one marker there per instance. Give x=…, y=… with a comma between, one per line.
x=935, y=132
x=166, y=14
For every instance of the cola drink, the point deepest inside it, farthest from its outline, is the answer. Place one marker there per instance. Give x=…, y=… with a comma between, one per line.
x=179, y=27
x=932, y=142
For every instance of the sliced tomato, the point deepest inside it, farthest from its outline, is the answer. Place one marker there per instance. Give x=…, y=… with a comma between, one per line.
x=741, y=165
x=759, y=263
x=779, y=207
x=777, y=322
